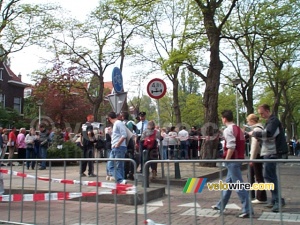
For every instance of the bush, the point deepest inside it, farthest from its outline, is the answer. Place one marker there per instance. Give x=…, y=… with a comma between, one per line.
x=69, y=150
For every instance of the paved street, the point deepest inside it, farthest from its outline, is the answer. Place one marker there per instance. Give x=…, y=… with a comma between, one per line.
x=174, y=208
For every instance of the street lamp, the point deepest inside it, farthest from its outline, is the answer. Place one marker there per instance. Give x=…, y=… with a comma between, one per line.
x=236, y=82
x=39, y=103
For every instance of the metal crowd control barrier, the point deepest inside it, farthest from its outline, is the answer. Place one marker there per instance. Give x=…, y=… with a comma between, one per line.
x=219, y=217
x=59, y=195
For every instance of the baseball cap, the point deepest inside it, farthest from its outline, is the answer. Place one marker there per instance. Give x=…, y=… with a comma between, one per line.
x=142, y=114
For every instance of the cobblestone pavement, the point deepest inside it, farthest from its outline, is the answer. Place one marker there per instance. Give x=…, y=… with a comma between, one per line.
x=175, y=207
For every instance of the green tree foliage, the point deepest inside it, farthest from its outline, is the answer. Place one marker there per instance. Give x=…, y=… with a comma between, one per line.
x=259, y=31
x=189, y=83
x=172, y=34
x=192, y=111
x=10, y=117
x=100, y=42
x=22, y=25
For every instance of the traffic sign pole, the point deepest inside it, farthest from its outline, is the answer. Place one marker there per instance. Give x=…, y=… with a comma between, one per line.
x=156, y=89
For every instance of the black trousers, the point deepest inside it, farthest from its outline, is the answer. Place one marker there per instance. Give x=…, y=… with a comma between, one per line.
x=87, y=153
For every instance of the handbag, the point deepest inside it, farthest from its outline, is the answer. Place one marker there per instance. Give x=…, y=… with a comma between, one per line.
x=150, y=141
x=11, y=143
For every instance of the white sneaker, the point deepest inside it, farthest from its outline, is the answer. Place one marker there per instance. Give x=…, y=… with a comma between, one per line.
x=112, y=179
x=256, y=201
x=123, y=182
x=107, y=177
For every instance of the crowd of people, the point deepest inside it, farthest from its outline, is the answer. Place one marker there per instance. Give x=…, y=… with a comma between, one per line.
x=141, y=140
x=29, y=145
x=267, y=142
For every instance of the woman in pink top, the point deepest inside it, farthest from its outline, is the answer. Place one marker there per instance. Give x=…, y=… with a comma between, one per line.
x=21, y=144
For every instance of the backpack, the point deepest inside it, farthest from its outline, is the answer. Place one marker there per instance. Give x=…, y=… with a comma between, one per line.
x=130, y=140
x=100, y=144
x=134, y=127
x=150, y=141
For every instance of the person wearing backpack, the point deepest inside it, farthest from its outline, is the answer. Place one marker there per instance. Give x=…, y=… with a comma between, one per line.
x=234, y=149
x=149, y=139
x=129, y=123
x=273, y=146
x=129, y=167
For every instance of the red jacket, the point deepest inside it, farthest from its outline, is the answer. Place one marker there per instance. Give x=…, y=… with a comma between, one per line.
x=239, y=142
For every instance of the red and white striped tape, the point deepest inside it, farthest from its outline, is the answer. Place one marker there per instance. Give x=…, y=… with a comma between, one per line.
x=114, y=186
x=55, y=196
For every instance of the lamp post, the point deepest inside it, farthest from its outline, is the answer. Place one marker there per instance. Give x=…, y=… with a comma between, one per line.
x=236, y=82
x=39, y=103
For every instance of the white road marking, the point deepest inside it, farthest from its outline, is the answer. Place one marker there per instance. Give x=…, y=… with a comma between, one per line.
x=141, y=210
x=286, y=217
x=156, y=203
x=192, y=205
x=201, y=212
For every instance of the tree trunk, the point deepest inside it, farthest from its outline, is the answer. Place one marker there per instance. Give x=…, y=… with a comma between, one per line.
x=210, y=99
x=210, y=129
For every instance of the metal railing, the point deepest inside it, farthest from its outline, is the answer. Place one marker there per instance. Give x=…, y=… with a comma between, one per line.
x=59, y=195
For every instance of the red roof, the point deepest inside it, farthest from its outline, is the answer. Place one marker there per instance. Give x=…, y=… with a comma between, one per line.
x=108, y=85
x=12, y=74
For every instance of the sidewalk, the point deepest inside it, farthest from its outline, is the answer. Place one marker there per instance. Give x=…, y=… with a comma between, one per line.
x=174, y=206
x=27, y=183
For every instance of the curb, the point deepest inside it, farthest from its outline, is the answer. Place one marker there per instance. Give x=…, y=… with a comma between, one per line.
x=181, y=182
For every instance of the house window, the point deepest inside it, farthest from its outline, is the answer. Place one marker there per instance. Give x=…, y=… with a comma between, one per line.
x=2, y=100
x=17, y=104
x=27, y=93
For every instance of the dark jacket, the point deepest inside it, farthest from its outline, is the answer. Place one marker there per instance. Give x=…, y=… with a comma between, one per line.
x=44, y=138
x=272, y=137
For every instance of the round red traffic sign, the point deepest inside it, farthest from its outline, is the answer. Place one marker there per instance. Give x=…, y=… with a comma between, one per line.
x=156, y=88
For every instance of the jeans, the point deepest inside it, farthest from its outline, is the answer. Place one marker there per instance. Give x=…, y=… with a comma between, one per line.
x=30, y=154
x=108, y=162
x=116, y=168
x=165, y=152
x=270, y=176
x=43, y=153
x=184, y=150
x=234, y=174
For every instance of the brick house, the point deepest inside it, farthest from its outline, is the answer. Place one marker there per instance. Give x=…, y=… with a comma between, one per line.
x=11, y=89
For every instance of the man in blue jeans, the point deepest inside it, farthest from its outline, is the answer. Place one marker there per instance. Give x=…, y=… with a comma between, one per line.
x=273, y=146
x=119, y=148
x=43, y=141
x=234, y=148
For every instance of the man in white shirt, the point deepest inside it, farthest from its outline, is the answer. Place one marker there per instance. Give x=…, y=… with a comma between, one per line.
x=141, y=127
x=183, y=136
x=119, y=148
